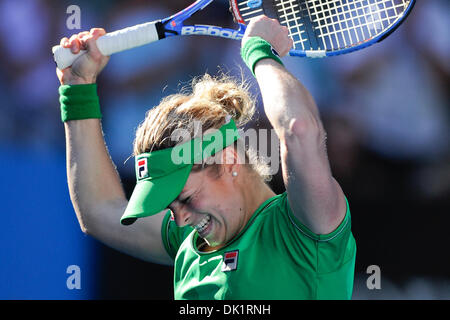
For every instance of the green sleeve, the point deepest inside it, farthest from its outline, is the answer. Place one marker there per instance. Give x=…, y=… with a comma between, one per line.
x=328, y=259
x=334, y=256
x=172, y=235
x=332, y=249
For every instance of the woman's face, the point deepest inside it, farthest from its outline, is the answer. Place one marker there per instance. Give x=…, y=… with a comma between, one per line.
x=212, y=205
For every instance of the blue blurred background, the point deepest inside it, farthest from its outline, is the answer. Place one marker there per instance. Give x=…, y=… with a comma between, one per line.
x=386, y=111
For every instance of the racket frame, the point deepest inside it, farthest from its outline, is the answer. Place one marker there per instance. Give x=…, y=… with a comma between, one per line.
x=174, y=25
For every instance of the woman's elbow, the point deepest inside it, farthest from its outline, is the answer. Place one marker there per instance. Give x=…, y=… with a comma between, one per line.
x=306, y=130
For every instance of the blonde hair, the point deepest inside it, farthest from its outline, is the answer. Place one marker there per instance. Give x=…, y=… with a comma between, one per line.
x=208, y=100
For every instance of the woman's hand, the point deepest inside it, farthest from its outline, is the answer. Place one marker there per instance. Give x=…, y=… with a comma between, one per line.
x=271, y=31
x=86, y=68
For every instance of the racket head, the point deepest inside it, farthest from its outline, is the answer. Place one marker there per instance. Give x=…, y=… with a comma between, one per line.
x=321, y=28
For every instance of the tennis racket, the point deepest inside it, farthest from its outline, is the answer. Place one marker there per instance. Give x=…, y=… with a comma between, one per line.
x=319, y=28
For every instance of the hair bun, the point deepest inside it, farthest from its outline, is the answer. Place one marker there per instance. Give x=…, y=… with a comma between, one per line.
x=210, y=100
x=231, y=97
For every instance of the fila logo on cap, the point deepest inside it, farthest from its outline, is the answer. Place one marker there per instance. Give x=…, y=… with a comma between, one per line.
x=142, y=168
x=230, y=260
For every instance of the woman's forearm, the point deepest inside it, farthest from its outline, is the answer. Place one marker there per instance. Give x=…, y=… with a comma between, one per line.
x=91, y=174
x=285, y=98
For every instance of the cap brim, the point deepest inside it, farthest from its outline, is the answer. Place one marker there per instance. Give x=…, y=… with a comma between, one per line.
x=150, y=197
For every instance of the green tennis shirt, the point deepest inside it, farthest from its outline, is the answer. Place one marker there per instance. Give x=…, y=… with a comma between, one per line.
x=274, y=257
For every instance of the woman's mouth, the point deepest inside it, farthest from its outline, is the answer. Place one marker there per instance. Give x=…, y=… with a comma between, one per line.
x=204, y=226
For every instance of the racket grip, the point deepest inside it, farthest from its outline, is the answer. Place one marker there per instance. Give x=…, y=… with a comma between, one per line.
x=111, y=43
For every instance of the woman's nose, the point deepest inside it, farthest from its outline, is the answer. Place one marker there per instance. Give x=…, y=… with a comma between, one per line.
x=181, y=214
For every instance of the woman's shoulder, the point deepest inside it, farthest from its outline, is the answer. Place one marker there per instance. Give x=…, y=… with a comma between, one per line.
x=276, y=203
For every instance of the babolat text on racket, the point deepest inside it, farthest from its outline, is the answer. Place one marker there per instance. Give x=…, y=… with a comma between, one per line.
x=319, y=28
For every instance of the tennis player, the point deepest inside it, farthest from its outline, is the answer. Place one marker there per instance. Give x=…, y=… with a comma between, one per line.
x=228, y=235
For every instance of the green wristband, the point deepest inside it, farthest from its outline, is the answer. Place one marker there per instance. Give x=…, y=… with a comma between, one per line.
x=79, y=102
x=255, y=49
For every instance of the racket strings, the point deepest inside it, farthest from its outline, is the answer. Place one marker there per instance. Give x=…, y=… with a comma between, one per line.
x=331, y=24
x=290, y=15
x=343, y=23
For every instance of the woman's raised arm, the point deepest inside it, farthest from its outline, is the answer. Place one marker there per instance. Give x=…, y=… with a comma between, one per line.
x=314, y=195
x=94, y=184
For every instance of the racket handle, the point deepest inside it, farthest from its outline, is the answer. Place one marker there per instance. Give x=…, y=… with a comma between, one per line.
x=113, y=42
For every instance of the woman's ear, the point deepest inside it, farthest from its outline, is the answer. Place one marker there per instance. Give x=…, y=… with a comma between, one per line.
x=231, y=161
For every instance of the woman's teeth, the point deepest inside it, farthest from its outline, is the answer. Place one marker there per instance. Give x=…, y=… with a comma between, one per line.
x=203, y=224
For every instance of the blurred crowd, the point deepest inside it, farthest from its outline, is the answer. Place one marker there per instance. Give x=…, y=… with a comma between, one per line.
x=385, y=109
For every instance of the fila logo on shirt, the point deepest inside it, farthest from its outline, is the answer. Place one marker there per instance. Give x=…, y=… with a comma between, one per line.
x=142, y=168
x=230, y=260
